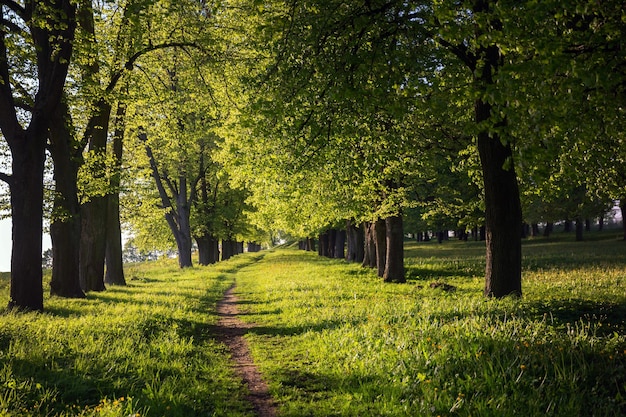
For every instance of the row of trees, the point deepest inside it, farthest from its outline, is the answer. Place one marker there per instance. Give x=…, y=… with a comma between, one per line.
x=113, y=92
x=238, y=119
x=493, y=113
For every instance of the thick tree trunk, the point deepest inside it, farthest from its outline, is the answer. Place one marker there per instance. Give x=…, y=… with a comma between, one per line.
x=580, y=227
x=65, y=228
x=503, y=213
x=228, y=249
x=332, y=238
x=339, y=251
x=113, y=254
x=394, y=261
x=324, y=246
x=310, y=244
x=208, y=249
x=356, y=242
x=380, y=234
x=27, y=217
x=369, y=253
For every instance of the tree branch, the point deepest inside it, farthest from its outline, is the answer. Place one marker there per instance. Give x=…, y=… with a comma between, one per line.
x=6, y=178
x=133, y=58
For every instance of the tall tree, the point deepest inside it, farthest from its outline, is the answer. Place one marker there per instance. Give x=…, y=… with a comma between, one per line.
x=36, y=36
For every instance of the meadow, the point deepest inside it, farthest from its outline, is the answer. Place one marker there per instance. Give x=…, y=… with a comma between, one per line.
x=332, y=340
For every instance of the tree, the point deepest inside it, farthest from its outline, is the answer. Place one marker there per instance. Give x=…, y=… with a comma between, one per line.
x=36, y=49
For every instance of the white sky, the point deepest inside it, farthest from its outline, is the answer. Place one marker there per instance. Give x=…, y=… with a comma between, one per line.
x=5, y=244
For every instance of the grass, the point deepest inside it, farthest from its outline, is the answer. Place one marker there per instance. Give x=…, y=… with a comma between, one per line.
x=333, y=340
x=144, y=349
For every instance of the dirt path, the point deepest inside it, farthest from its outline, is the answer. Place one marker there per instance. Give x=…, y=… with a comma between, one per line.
x=230, y=330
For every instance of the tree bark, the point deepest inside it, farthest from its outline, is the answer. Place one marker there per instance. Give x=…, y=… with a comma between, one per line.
x=380, y=234
x=339, y=251
x=394, y=260
x=356, y=242
x=208, y=249
x=332, y=238
x=27, y=216
x=580, y=227
x=113, y=254
x=65, y=228
x=622, y=207
x=369, y=254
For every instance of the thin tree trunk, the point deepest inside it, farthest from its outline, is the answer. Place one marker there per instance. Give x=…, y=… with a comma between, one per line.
x=380, y=234
x=622, y=207
x=394, y=262
x=113, y=254
x=369, y=254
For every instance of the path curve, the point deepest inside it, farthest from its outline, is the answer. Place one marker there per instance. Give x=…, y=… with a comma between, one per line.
x=230, y=331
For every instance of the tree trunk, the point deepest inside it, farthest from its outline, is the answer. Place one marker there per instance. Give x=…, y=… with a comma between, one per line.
x=310, y=244
x=52, y=25
x=356, y=242
x=27, y=216
x=534, y=230
x=332, y=238
x=324, y=244
x=394, y=262
x=381, y=245
x=94, y=212
x=580, y=226
x=208, y=249
x=114, y=274
x=65, y=227
x=567, y=226
x=339, y=251
x=228, y=249
x=548, y=229
x=622, y=207
x=503, y=213
x=369, y=254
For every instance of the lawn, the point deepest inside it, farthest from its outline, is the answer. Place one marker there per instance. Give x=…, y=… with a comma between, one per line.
x=332, y=340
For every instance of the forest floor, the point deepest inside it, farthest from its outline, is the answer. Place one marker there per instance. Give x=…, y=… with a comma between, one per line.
x=231, y=331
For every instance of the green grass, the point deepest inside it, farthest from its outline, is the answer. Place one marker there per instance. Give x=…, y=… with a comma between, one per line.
x=333, y=340
x=144, y=349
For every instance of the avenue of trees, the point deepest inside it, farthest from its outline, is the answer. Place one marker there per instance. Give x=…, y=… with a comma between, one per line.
x=343, y=124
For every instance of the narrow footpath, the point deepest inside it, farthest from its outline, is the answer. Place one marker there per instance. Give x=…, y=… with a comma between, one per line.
x=230, y=331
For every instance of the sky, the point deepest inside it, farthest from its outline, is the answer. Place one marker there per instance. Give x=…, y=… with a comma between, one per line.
x=5, y=244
